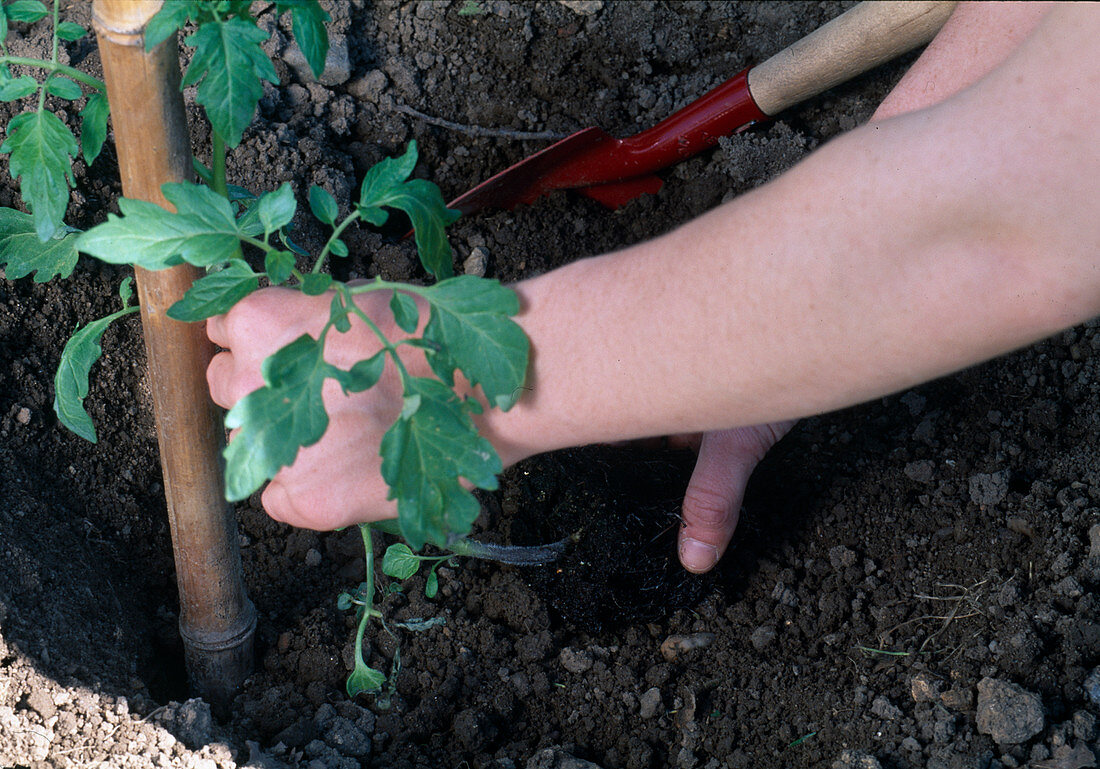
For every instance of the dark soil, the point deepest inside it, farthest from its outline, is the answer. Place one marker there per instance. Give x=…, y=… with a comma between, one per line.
x=890, y=557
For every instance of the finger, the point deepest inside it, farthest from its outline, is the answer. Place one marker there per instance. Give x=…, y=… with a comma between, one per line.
x=219, y=375
x=280, y=506
x=217, y=330
x=712, y=503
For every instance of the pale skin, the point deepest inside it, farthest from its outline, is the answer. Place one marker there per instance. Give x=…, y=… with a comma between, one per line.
x=958, y=225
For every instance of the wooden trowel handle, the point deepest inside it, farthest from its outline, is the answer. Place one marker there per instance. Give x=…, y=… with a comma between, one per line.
x=865, y=36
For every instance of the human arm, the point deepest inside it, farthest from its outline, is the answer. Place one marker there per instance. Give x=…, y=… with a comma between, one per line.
x=818, y=290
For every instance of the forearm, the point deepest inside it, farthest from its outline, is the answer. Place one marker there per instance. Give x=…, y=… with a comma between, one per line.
x=893, y=255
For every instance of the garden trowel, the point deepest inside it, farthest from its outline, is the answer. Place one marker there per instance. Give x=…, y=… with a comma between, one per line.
x=615, y=171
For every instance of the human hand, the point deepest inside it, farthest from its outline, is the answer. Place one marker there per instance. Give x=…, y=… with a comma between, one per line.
x=337, y=481
x=712, y=502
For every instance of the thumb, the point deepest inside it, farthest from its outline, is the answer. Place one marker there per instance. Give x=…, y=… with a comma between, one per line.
x=712, y=502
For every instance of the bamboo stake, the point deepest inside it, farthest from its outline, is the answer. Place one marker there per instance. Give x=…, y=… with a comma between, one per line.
x=217, y=621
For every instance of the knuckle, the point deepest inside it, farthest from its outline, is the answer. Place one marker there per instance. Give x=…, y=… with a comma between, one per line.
x=706, y=507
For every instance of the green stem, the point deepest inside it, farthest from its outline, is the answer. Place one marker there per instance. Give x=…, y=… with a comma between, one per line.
x=353, y=216
x=54, y=67
x=219, y=184
x=389, y=346
x=516, y=555
x=53, y=53
x=368, y=594
x=368, y=554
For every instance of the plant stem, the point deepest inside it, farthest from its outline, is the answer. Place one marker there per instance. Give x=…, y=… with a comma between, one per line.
x=353, y=216
x=53, y=53
x=389, y=346
x=368, y=593
x=516, y=555
x=219, y=184
x=53, y=67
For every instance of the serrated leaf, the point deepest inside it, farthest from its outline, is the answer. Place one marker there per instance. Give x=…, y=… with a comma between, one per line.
x=93, y=126
x=470, y=322
x=400, y=562
x=278, y=265
x=228, y=66
x=63, y=88
x=17, y=88
x=71, y=380
x=164, y=23
x=41, y=148
x=315, y=283
x=404, y=311
x=276, y=209
x=28, y=11
x=202, y=231
x=216, y=293
x=423, y=457
x=309, y=30
x=278, y=419
x=364, y=680
x=385, y=185
x=21, y=252
x=322, y=204
x=69, y=31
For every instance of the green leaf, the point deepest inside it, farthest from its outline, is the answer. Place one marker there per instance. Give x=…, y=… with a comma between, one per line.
x=277, y=208
x=404, y=311
x=71, y=380
x=93, y=126
x=365, y=374
x=69, y=31
x=322, y=204
x=400, y=562
x=126, y=291
x=309, y=30
x=364, y=680
x=315, y=283
x=276, y=420
x=278, y=265
x=164, y=23
x=469, y=320
x=385, y=185
x=216, y=293
x=3, y=27
x=28, y=11
x=17, y=88
x=228, y=66
x=344, y=601
x=338, y=248
x=41, y=148
x=202, y=231
x=472, y=8
x=338, y=314
x=63, y=88
x=425, y=454
x=431, y=584
x=21, y=252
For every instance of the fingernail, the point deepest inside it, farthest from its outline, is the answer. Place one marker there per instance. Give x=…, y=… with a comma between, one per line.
x=696, y=555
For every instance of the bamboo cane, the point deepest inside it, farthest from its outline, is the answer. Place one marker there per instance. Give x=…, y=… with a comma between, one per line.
x=217, y=621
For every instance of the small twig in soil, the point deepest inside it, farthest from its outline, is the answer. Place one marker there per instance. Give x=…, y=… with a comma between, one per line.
x=476, y=130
